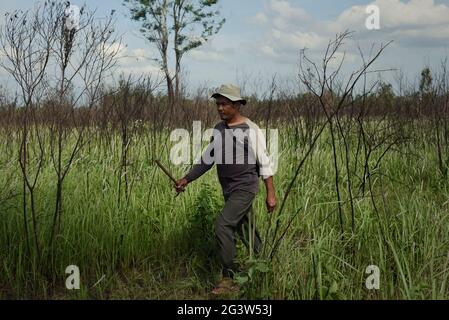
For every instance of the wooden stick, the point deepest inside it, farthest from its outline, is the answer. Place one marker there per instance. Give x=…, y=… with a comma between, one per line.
x=165, y=171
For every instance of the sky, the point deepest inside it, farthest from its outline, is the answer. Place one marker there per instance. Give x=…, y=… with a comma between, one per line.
x=263, y=38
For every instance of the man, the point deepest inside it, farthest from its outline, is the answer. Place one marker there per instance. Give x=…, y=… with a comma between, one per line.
x=238, y=173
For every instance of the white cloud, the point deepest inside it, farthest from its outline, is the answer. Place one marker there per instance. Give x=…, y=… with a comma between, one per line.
x=269, y=51
x=217, y=49
x=260, y=18
x=117, y=48
x=209, y=55
x=298, y=40
x=136, y=61
x=416, y=22
x=143, y=68
x=285, y=10
x=346, y=56
x=289, y=28
x=416, y=12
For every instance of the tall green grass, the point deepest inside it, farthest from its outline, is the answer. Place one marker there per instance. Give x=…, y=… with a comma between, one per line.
x=156, y=246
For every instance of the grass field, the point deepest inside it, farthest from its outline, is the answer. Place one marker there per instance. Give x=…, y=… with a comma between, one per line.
x=143, y=243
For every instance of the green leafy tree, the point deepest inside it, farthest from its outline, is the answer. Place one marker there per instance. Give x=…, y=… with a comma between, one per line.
x=425, y=85
x=385, y=89
x=386, y=94
x=185, y=24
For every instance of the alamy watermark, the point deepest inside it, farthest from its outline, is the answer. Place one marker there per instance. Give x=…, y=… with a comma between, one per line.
x=372, y=22
x=373, y=280
x=72, y=16
x=73, y=280
x=228, y=146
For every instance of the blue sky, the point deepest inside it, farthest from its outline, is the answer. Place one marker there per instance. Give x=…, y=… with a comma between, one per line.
x=263, y=37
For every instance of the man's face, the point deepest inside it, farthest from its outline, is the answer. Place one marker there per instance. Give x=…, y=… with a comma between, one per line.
x=226, y=108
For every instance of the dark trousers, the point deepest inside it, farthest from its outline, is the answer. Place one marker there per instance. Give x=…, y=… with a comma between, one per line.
x=235, y=218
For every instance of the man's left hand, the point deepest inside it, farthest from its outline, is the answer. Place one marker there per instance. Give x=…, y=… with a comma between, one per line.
x=271, y=202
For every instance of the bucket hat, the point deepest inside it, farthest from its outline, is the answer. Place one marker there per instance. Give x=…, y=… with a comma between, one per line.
x=229, y=91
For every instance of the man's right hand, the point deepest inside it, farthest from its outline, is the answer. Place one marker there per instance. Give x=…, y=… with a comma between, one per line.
x=181, y=184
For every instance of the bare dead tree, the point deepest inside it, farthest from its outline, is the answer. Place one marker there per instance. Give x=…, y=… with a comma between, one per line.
x=26, y=41
x=130, y=102
x=84, y=55
x=333, y=95
x=439, y=101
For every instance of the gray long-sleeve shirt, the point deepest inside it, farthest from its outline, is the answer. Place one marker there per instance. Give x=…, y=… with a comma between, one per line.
x=240, y=154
